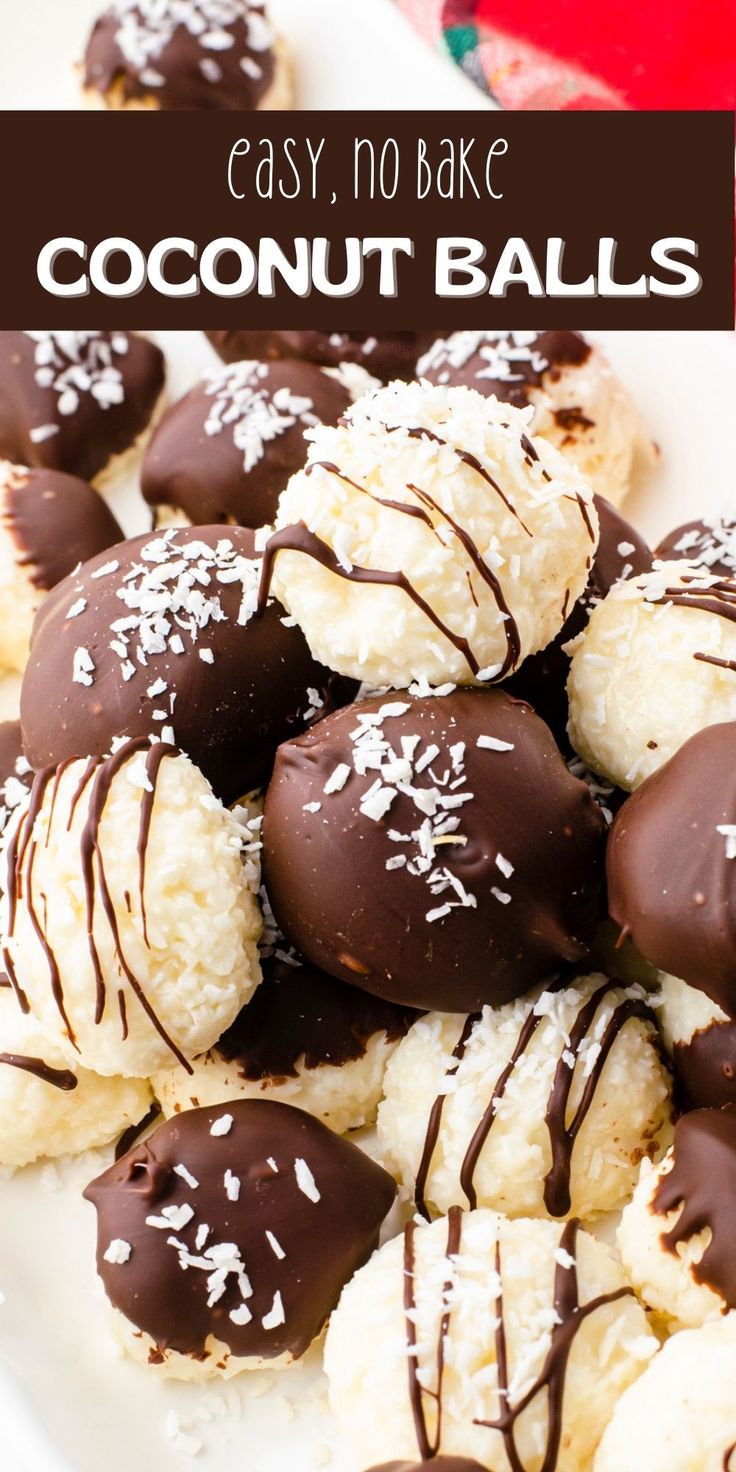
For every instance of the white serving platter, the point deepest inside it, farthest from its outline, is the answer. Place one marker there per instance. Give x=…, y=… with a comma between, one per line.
x=68, y=1402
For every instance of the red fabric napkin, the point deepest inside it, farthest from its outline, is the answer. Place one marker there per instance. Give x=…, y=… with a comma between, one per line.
x=577, y=54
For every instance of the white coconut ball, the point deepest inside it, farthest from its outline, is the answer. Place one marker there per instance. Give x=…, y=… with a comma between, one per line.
x=48, y=1109
x=367, y=1351
x=628, y=1115
x=344, y=1096
x=663, y=1279
x=680, y=1416
x=655, y=664
x=172, y=953
x=439, y=489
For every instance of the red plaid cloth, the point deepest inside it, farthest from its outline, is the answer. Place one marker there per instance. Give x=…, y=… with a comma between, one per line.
x=583, y=54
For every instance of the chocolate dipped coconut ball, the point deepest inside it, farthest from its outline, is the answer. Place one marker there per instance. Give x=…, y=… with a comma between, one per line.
x=710, y=544
x=129, y=917
x=160, y=633
x=680, y=1415
x=700, y=1037
x=428, y=538
x=676, y=1236
x=49, y=1109
x=49, y=523
x=543, y=1107
x=186, y=55
x=542, y=678
x=469, y=859
x=305, y=1039
x=389, y=355
x=506, y=1342
x=76, y=401
x=579, y=404
x=223, y=1240
x=655, y=664
x=224, y=452
x=16, y=773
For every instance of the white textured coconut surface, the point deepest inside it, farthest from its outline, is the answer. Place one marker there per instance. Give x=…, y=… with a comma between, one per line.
x=194, y=963
x=629, y=1115
x=343, y=1096
x=38, y=1118
x=217, y=1362
x=638, y=685
x=683, y=1010
x=521, y=518
x=681, y=1415
x=664, y=1279
x=367, y=1359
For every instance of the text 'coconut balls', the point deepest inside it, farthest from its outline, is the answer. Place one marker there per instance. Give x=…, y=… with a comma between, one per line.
x=429, y=537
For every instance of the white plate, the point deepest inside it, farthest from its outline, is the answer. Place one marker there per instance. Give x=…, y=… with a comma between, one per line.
x=348, y=54
x=67, y=1403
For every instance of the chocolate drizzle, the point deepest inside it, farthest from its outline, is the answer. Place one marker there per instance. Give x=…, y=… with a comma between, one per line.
x=702, y=1182
x=58, y=1078
x=718, y=598
x=20, y=875
x=571, y=1315
x=428, y=1444
x=562, y=1134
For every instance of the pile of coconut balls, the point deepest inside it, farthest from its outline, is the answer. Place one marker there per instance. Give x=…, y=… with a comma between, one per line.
x=389, y=780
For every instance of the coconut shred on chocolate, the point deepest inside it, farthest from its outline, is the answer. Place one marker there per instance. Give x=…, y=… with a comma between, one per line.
x=73, y=400
x=507, y=364
x=458, y=825
x=185, y=54
x=387, y=355
x=158, y=634
x=238, y=1223
x=225, y=451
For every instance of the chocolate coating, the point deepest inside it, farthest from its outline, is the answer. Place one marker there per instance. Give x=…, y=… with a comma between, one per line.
x=56, y=521
x=435, y=1464
x=72, y=400
x=323, y=1241
x=16, y=775
x=507, y=364
x=509, y=892
x=671, y=885
x=390, y=355
x=299, y=1012
x=705, y=1067
x=164, y=51
x=542, y=678
x=712, y=544
x=702, y=1182
x=225, y=452
x=229, y=714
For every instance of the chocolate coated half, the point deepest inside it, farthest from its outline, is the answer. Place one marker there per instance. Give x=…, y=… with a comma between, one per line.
x=56, y=521
x=507, y=364
x=389, y=355
x=478, y=879
x=702, y=1182
x=304, y=1216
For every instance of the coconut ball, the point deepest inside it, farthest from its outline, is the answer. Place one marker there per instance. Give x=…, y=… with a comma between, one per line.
x=79, y=402
x=680, y=1416
x=579, y=404
x=542, y=1107
x=129, y=919
x=164, y=631
x=49, y=523
x=305, y=1039
x=542, y=678
x=710, y=543
x=383, y=356
x=48, y=1108
x=467, y=855
x=430, y=538
x=670, y=866
x=226, y=450
x=701, y=1040
x=656, y=663
x=197, y=55
x=473, y=1320
x=225, y=1238
x=676, y=1235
